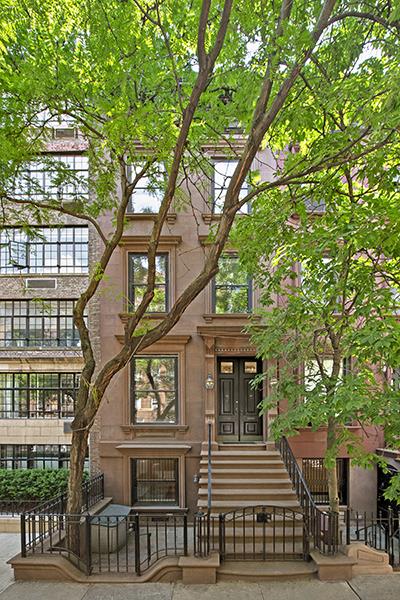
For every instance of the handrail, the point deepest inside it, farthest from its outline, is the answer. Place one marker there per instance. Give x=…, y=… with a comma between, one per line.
x=322, y=525
x=209, y=471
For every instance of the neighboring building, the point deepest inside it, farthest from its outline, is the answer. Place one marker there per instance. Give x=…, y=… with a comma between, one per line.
x=41, y=276
x=152, y=428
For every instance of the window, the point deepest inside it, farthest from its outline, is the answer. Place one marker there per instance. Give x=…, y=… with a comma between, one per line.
x=315, y=205
x=396, y=379
x=155, y=481
x=36, y=456
x=52, y=250
x=138, y=269
x=60, y=176
x=312, y=376
x=232, y=289
x=37, y=323
x=38, y=395
x=155, y=389
x=316, y=477
x=223, y=171
x=149, y=192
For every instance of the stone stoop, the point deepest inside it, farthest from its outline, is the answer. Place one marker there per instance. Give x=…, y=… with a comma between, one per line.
x=245, y=475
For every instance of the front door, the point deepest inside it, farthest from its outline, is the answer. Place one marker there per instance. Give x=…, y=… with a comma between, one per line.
x=238, y=412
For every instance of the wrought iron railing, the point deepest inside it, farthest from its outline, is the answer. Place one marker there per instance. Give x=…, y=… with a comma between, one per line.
x=380, y=531
x=129, y=543
x=322, y=526
x=253, y=533
x=13, y=508
x=92, y=492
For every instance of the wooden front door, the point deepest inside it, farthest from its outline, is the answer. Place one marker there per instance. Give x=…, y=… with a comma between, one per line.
x=238, y=412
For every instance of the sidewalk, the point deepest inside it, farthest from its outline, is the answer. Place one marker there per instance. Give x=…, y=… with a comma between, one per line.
x=361, y=588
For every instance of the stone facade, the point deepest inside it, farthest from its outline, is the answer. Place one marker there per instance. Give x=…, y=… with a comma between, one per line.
x=199, y=339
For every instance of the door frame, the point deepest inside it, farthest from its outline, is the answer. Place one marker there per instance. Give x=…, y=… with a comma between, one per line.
x=238, y=398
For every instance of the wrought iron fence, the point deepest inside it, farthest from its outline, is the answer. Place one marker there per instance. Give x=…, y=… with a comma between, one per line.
x=380, y=531
x=322, y=526
x=13, y=508
x=129, y=543
x=92, y=492
x=253, y=533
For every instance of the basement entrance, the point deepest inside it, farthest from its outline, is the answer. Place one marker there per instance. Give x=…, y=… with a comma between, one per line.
x=238, y=412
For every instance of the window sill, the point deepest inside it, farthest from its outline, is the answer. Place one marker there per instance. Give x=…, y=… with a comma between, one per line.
x=43, y=275
x=132, y=216
x=210, y=317
x=124, y=316
x=208, y=218
x=154, y=427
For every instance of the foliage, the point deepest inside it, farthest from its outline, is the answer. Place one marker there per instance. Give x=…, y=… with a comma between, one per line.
x=330, y=289
x=33, y=484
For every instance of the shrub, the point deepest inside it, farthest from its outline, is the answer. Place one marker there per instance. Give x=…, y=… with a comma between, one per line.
x=32, y=484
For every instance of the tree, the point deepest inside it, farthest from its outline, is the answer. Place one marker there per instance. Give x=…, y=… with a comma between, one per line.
x=330, y=286
x=157, y=83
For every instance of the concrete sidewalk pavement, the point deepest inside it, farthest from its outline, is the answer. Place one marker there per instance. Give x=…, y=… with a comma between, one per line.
x=385, y=587
x=360, y=588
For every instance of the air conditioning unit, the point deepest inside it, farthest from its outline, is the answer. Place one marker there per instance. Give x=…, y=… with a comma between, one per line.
x=40, y=284
x=65, y=133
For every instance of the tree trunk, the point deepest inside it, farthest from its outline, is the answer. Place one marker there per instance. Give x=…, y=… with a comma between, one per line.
x=331, y=471
x=77, y=460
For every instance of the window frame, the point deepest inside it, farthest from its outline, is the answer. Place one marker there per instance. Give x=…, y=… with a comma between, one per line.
x=11, y=319
x=28, y=456
x=245, y=187
x=134, y=481
x=215, y=286
x=41, y=246
x=131, y=285
x=31, y=390
x=133, y=410
x=59, y=192
x=131, y=204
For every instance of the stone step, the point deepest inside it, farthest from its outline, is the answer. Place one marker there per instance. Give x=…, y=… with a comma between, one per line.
x=263, y=496
x=220, y=472
x=268, y=570
x=221, y=506
x=253, y=454
x=233, y=463
x=218, y=483
x=287, y=546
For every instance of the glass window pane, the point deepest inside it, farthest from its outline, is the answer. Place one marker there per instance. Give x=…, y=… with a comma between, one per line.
x=138, y=282
x=226, y=367
x=155, y=389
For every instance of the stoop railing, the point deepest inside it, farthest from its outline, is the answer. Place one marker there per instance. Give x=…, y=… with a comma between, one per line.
x=322, y=526
x=380, y=531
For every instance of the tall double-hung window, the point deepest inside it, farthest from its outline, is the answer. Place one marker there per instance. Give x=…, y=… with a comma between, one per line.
x=222, y=175
x=155, y=389
x=232, y=288
x=137, y=282
x=149, y=191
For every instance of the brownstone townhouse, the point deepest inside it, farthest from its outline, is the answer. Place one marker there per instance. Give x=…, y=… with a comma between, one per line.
x=193, y=387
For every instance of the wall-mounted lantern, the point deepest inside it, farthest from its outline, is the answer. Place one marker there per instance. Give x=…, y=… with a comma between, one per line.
x=209, y=382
